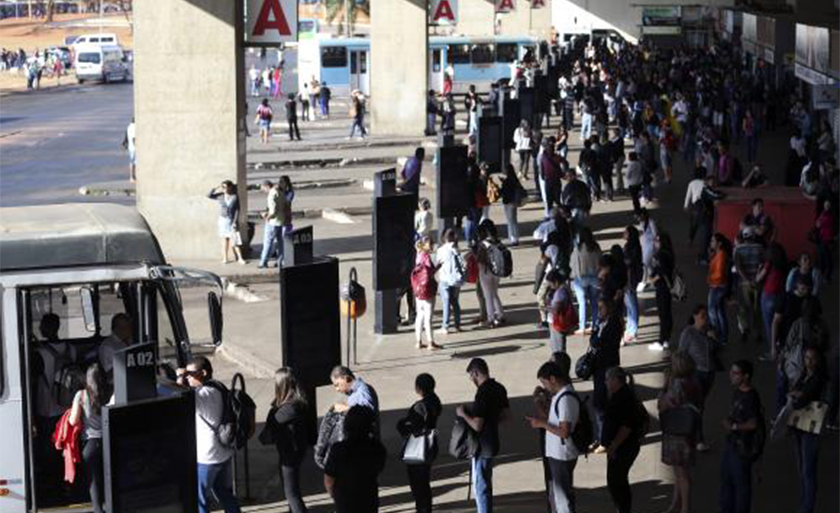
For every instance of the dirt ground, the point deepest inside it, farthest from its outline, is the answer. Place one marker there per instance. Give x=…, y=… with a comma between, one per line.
x=35, y=34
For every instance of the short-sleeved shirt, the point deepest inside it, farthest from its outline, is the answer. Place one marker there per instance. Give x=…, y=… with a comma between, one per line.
x=562, y=409
x=362, y=394
x=622, y=411
x=558, y=299
x=790, y=308
x=749, y=256
x=756, y=221
x=745, y=406
x=490, y=400
x=355, y=465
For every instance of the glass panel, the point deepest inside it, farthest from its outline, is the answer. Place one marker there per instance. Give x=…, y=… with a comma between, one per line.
x=334, y=57
x=436, y=60
x=483, y=54
x=506, y=52
x=92, y=58
x=459, y=54
x=363, y=62
x=354, y=64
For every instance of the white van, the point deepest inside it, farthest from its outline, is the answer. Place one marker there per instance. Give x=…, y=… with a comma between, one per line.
x=96, y=39
x=100, y=62
x=79, y=266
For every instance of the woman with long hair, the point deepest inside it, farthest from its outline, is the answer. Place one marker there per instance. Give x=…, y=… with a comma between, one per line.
x=87, y=411
x=225, y=194
x=661, y=277
x=584, y=264
x=720, y=262
x=696, y=340
x=635, y=275
x=424, y=293
x=772, y=273
x=287, y=428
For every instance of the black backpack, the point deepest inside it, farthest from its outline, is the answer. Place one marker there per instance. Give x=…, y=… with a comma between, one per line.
x=238, y=418
x=464, y=441
x=584, y=434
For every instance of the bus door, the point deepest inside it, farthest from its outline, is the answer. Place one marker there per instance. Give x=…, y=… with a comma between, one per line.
x=436, y=69
x=359, y=77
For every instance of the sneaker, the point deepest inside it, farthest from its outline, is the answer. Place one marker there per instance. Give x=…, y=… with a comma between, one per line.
x=657, y=346
x=701, y=447
x=442, y=331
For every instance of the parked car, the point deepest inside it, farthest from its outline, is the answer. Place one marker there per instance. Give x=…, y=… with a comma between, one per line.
x=101, y=62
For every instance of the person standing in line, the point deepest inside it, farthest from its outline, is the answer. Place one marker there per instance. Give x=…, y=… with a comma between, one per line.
x=559, y=424
x=621, y=436
x=130, y=143
x=357, y=111
x=215, y=470
x=303, y=97
x=314, y=97
x=522, y=145
x=635, y=275
x=425, y=297
x=254, y=77
x=489, y=281
x=804, y=267
x=287, y=422
x=432, y=111
x=228, y=221
x=291, y=117
x=489, y=408
x=326, y=95
x=472, y=102
x=424, y=220
x=263, y=120
x=271, y=216
x=773, y=274
x=696, y=340
x=745, y=414
x=647, y=236
x=719, y=286
x=678, y=451
x=420, y=420
x=661, y=277
x=559, y=302
x=748, y=257
x=411, y=172
x=512, y=198
x=277, y=81
x=584, y=267
x=86, y=411
x=634, y=176
x=452, y=273
x=606, y=341
x=351, y=472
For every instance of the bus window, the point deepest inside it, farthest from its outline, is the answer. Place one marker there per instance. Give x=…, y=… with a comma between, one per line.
x=483, y=54
x=459, y=54
x=334, y=57
x=506, y=52
x=436, y=58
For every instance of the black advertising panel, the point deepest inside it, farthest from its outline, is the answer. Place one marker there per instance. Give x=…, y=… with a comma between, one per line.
x=540, y=94
x=297, y=246
x=453, y=196
x=385, y=183
x=134, y=373
x=511, y=120
x=393, y=241
x=310, y=331
x=490, y=142
x=149, y=456
x=553, y=82
x=526, y=104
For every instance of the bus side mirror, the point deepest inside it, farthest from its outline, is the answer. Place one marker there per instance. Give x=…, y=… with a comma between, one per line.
x=214, y=306
x=88, y=309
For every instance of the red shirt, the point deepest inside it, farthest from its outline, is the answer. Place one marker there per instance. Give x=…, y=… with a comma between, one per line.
x=773, y=280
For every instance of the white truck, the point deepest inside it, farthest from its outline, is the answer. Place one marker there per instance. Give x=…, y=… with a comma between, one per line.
x=79, y=265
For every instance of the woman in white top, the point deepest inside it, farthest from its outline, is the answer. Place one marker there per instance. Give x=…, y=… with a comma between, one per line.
x=86, y=410
x=522, y=141
x=647, y=236
x=584, y=265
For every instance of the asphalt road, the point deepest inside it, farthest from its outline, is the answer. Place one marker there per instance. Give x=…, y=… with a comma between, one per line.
x=54, y=141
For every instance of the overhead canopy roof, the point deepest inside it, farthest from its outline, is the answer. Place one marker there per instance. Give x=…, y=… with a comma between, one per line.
x=74, y=234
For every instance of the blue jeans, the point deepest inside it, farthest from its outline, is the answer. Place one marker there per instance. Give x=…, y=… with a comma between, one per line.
x=768, y=309
x=216, y=480
x=807, y=450
x=271, y=235
x=585, y=126
x=631, y=303
x=449, y=298
x=482, y=470
x=586, y=292
x=360, y=123
x=781, y=390
x=735, y=482
x=717, y=313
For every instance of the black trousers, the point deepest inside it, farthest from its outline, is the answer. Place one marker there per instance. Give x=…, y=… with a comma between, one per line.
x=420, y=481
x=92, y=458
x=663, y=308
x=635, y=191
x=293, y=130
x=291, y=487
x=618, y=481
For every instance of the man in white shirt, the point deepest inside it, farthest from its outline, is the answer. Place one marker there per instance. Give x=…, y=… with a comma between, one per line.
x=273, y=232
x=122, y=333
x=560, y=450
x=130, y=144
x=215, y=471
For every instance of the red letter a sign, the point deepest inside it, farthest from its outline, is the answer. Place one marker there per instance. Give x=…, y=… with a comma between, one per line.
x=445, y=12
x=505, y=6
x=537, y=4
x=271, y=21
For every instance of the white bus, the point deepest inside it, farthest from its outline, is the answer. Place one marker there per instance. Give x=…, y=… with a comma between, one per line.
x=80, y=265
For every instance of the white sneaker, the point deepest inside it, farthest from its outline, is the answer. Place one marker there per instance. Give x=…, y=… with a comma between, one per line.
x=442, y=331
x=656, y=346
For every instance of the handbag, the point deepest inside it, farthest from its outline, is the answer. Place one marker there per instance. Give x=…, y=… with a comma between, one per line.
x=585, y=366
x=809, y=418
x=680, y=421
x=236, y=237
x=420, y=449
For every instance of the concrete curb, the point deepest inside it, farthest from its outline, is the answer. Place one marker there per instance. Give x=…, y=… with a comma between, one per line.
x=302, y=185
x=350, y=145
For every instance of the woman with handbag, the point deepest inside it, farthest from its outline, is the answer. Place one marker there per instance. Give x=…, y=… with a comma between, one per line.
x=562, y=318
x=425, y=289
x=418, y=428
x=678, y=412
x=513, y=196
x=696, y=340
x=286, y=428
x=228, y=221
x=808, y=388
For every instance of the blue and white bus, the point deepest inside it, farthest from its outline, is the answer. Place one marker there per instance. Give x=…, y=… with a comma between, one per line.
x=344, y=64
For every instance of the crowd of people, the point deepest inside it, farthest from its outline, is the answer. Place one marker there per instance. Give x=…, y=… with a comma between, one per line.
x=34, y=66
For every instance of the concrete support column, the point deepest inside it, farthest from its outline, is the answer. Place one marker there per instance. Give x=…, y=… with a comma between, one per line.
x=399, y=66
x=189, y=101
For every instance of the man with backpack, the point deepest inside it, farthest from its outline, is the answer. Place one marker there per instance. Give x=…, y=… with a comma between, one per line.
x=745, y=442
x=488, y=409
x=215, y=470
x=564, y=430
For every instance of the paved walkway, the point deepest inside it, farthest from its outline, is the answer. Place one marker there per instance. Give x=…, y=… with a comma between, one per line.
x=513, y=352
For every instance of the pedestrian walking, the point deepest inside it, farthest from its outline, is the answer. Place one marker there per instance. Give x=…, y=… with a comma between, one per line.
x=263, y=120
x=291, y=117
x=357, y=112
x=452, y=275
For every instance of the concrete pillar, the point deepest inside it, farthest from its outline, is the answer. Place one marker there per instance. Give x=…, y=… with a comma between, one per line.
x=399, y=67
x=189, y=103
